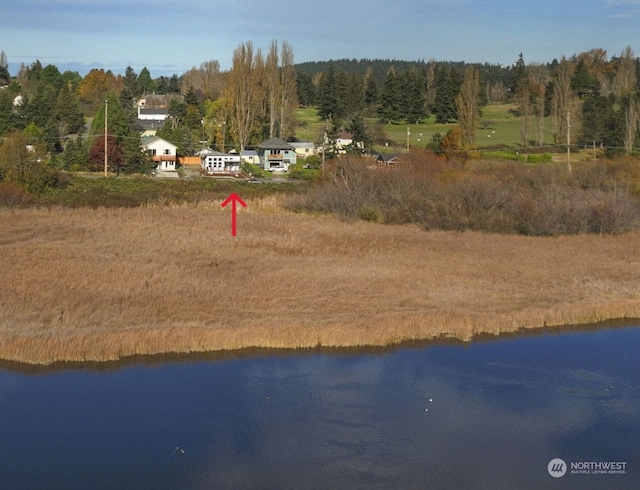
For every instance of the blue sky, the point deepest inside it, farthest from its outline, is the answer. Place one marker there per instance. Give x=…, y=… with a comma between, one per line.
x=171, y=36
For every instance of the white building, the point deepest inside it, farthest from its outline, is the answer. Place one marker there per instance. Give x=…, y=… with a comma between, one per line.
x=304, y=149
x=215, y=162
x=163, y=153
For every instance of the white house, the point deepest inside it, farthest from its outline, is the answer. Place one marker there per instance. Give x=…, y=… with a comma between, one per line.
x=163, y=153
x=250, y=156
x=343, y=140
x=215, y=162
x=150, y=120
x=304, y=149
x=145, y=114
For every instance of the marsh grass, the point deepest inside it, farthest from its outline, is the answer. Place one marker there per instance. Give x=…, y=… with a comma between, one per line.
x=101, y=284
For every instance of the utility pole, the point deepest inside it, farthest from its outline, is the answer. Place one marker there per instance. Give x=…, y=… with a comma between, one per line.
x=569, y=141
x=106, y=109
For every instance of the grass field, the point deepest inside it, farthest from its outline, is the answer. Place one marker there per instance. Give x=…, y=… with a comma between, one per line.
x=503, y=130
x=101, y=284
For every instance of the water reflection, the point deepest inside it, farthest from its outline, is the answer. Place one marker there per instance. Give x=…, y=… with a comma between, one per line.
x=485, y=415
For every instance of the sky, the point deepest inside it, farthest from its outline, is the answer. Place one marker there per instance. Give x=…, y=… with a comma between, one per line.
x=172, y=36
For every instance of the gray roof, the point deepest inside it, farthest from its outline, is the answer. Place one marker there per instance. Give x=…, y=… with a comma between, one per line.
x=275, y=144
x=303, y=144
x=387, y=157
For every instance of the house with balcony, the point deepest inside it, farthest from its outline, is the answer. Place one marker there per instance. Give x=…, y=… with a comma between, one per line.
x=163, y=153
x=276, y=155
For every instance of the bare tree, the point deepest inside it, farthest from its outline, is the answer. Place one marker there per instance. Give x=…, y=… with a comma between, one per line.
x=625, y=83
x=206, y=80
x=272, y=85
x=245, y=92
x=538, y=79
x=467, y=104
x=564, y=103
x=631, y=114
x=288, y=89
x=526, y=109
x=498, y=92
x=430, y=89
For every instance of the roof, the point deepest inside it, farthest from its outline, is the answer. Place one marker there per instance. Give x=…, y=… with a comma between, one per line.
x=214, y=153
x=150, y=111
x=275, y=144
x=387, y=157
x=149, y=140
x=249, y=153
x=303, y=144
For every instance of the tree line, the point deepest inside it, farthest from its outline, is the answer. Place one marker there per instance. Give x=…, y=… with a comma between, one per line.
x=587, y=98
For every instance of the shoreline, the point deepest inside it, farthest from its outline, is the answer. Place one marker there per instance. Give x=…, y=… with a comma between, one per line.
x=101, y=285
x=240, y=353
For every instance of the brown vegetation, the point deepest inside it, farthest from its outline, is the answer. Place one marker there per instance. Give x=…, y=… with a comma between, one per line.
x=100, y=284
x=495, y=197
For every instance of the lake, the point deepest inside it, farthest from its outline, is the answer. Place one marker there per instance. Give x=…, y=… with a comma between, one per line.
x=488, y=414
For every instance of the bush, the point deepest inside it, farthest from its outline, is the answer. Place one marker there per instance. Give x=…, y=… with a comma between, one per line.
x=496, y=197
x=13, y=195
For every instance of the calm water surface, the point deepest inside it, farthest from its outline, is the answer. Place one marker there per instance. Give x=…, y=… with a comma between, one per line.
x=488, y=415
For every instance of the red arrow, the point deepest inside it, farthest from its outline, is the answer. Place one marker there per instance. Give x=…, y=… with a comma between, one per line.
x=233, y=199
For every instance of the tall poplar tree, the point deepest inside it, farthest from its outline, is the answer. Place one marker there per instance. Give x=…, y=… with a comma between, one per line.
x=467, y=104
x=565, y=105
x=272, y=85
x=288, y=90
x=245, y=92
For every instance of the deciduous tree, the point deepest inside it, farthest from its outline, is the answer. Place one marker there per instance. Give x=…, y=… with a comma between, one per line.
x=467, y=104
x=245, y=92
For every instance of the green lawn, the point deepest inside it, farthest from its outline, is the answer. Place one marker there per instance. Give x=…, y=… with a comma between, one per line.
x=310, y=126
x=502, y=128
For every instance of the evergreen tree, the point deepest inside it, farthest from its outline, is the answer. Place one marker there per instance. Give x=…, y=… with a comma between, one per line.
x=144, y=81
x=371, y=90
x=414, y=100
x=361, y=139
x=75, y=155
x=519, y=77
x=328, y=103
x=67, y=112
x=597, y=111
x=582, y=82
x=173, y=85
x=306, y=90
x=5, y=77
x=390, y=104
x=130, y=83
x=447, y=85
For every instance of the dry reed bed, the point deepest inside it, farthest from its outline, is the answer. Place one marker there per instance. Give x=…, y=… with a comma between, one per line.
x=81, y=284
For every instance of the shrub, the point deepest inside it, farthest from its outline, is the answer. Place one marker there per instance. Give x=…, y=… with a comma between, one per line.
x=13, y=195
x=496, y=197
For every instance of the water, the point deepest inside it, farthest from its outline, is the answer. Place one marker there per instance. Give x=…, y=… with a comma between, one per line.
x=491, y=415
